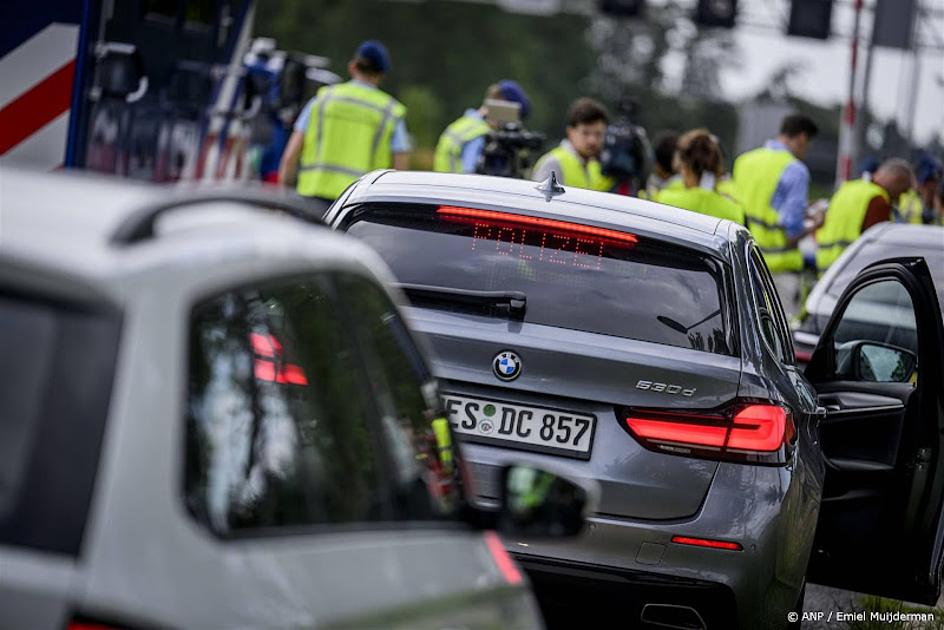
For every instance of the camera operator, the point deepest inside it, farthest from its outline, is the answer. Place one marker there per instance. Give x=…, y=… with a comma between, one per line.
x=627, y=155
x=461, y=145
x=576, y=159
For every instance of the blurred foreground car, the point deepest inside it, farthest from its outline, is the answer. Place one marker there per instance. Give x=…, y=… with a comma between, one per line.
x=212, y=416
x=881, y=241
x=644, y=347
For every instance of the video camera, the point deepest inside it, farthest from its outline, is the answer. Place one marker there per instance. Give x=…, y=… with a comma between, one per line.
x=626, y=155
x=510, y=149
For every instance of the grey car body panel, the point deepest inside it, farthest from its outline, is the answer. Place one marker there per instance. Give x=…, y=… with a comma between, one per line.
x=910, y=240
x=144, y=560
x=589, y=373
x=647, y=497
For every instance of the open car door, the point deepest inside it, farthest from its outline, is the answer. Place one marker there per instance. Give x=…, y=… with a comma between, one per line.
x=877, y=370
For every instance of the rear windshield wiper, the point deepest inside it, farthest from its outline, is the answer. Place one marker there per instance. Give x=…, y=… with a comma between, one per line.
x=510, y=303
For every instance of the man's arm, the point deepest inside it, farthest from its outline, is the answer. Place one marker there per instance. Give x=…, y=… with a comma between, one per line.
x=790, y=200
x=879, y=210
x=400, y=146
x=470, y=154
x=288, y=167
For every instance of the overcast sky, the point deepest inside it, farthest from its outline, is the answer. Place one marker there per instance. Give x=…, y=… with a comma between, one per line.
x=825, y=77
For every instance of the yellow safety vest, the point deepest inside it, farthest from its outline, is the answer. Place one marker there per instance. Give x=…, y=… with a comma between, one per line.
x=651, y=192
x=448, y=157
x=910, y=207
x=575, y=172
x=843, y=225
x=756, y=175
x=349, y=133
x=703, y=201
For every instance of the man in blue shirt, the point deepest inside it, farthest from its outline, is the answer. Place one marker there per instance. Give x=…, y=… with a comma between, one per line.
x=772, y=183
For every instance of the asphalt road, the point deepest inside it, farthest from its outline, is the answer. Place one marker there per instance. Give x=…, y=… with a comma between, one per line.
x=825, y=599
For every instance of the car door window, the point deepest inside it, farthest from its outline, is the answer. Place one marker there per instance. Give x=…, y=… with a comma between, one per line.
x=770, y=313
x=876, y=336
x=280, y=431
x=419, y=437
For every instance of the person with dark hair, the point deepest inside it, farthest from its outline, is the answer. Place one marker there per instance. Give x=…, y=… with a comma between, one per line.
x=699, y=161
x=347, y=130
x=663, y=173
x=916, y=205
x=460, y=146
x=858, y=205
x=576, y=160
x=772, y=183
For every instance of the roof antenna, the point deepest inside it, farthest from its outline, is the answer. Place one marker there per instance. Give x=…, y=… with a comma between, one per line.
x=550, y=187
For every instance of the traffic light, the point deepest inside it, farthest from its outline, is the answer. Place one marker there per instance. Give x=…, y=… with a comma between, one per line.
x=810, y=18
x=623, y=8
x=716, y=13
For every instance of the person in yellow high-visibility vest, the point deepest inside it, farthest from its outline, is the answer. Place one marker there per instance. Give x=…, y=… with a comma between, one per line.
x=347, y=130
x=576, y=160
x=699, y=161
x=460, y=146
x=772, y=183
x=858, y=205
x=916, y=205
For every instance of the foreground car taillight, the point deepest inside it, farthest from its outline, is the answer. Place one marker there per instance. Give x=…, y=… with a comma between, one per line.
x=747, y=431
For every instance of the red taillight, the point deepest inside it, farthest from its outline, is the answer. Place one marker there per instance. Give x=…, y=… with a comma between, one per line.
x=89, y=625
x=546, y=224
x=760, y=428
x=506, y=565
x=270, y=366
x=707, y=542
x=756, y=432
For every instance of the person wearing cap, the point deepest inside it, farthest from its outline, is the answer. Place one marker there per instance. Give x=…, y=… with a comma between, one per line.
x=916, y=205
x=460, y=146
x=576, y=161
x=347, y=130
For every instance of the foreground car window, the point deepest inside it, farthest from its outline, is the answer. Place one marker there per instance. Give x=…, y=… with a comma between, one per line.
x=282, y=427
x=55, y=385
x=425, y=456
x=634, y=288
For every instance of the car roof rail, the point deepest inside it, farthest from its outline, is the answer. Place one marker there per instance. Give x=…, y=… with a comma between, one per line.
x=139, y=225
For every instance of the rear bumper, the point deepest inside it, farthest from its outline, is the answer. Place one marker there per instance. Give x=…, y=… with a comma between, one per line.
x=575, y=591
x=762, y=508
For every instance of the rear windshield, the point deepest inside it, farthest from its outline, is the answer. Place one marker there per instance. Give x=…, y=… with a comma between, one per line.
x=574, y=277
x=55, y=383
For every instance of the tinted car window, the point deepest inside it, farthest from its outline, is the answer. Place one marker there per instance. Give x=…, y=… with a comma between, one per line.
x=773, y=322
x=589, y=279
x=876, y=337
x=283, y=426
x=55, y=385
x=420, y=439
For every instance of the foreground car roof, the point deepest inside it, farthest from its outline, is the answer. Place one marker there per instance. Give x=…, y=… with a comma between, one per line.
x=61, y=224
x=604, y=209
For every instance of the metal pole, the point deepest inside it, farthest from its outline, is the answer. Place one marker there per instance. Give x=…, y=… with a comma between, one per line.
x=847, y=139
x=915, y=84
x=864, y=98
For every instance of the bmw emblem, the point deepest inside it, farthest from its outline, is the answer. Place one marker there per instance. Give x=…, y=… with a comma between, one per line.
x=506, y=365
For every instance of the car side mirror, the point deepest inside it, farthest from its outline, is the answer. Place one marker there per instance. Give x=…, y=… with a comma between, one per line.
x=537, y=503
x=882, y=363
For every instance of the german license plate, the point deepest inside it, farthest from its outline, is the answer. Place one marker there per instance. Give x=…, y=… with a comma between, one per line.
x=521, y=426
